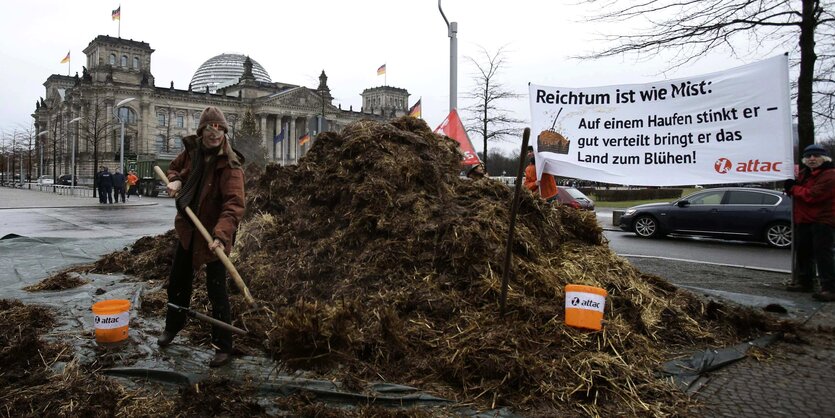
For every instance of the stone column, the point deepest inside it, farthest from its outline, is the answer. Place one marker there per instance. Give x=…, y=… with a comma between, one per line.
x=264, y=133
x=292, y=140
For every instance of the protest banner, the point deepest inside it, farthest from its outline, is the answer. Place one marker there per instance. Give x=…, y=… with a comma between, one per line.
x=732, y=126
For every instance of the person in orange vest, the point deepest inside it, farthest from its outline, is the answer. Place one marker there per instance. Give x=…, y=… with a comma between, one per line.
x=547, y=186
x=131, y=180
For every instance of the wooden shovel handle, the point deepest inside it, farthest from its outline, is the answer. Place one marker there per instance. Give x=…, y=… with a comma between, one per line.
x=219, y=251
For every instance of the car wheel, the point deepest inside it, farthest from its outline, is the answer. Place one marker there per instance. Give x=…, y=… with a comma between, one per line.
x=779, y=235
x=646, y=227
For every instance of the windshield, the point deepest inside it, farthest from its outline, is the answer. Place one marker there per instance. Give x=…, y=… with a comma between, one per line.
x=575, y=193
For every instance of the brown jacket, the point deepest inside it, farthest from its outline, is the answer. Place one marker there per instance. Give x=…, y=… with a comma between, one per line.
x=221, y=200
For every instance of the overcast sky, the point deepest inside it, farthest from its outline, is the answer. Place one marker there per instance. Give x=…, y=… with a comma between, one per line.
x=295, y=41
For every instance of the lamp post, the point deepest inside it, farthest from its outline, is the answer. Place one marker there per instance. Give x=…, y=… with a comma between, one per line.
x=122, y=140
x=74, y=139
x=452, y=32
x=40, y=163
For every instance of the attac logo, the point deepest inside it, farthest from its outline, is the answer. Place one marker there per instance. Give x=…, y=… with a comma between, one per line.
x=575, y=301
x=724, y=165
x=107, y=320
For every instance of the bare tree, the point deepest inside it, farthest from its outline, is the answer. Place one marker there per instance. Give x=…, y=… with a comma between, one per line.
x=829, y=145
x=485, y=117
x=5, y=147
x=95, y=128
x=7, y=151
x=169, y=114
x=692, y=28
x=248, y=141
x=28, y=144
x=55, y=133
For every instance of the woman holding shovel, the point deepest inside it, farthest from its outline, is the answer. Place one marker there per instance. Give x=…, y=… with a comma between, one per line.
x=207, y=178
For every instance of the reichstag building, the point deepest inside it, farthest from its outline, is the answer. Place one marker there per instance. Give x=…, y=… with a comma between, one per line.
x=81, y=108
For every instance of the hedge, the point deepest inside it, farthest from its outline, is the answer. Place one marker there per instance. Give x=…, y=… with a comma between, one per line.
x=633, y=194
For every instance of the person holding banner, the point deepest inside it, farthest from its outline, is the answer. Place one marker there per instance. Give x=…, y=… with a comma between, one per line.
x=814, y=216
x=547, y=186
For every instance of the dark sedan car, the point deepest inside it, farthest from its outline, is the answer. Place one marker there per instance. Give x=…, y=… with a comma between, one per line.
x=736, y=213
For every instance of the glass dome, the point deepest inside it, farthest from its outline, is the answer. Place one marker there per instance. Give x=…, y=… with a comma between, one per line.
x=224, y=70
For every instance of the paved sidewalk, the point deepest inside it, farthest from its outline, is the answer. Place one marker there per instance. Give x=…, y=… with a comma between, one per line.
x=794, y=377
x=25, y=199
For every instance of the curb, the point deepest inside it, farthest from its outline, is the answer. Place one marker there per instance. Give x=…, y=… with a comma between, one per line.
x=708, y=263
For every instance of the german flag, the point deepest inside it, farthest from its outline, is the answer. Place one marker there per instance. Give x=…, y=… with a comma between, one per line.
x=66, y=59
x=304, y=139
x=414, y=111
x=117, y=14
x=381, y=70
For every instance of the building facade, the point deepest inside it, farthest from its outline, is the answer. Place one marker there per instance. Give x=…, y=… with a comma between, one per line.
x=80, y=112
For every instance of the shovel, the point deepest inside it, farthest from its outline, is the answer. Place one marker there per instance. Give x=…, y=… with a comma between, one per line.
x=205, y=318
x=218, y=251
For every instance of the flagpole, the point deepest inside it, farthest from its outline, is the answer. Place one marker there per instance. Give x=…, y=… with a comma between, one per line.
x=120, y=21
x=69, y=63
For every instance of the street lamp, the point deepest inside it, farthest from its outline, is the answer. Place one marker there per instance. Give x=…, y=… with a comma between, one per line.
x=122, y=122
x=40, y=164
x=74, y=139
x=452, y=32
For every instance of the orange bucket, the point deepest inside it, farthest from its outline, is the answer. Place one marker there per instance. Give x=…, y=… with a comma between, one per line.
x=111, y=318
x=584, y=306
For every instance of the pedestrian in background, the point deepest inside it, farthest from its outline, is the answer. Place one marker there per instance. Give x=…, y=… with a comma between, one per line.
x=814, y=217
x=132, y=179
x=105, y=180
x=119, y=185
x=206, y=177
x=547, y=186
x=477, y=171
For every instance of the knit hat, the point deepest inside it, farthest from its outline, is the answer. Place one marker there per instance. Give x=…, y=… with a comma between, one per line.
x=472, y=169
x=815, y=149
x=212, y=115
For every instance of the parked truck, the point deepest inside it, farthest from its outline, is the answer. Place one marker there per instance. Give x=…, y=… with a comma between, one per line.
x=149, y=184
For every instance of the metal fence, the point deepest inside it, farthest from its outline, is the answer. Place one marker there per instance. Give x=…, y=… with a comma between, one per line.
x=74, y=191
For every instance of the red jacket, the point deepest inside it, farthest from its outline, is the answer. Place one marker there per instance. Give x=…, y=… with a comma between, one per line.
x=221, y=200
x=814, y=195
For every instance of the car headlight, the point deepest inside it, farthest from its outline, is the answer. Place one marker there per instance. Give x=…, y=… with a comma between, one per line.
x=629, y=212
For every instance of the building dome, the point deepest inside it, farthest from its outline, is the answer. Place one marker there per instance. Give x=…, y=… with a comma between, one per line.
x=224, y=70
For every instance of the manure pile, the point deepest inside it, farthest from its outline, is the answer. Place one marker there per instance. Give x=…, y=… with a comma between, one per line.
x=379, y=262
x=375, y=261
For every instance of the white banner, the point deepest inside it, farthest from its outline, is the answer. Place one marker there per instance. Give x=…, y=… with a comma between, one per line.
x=732, y=126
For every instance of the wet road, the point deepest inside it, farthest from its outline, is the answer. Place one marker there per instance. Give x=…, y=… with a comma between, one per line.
x=106, y=221
x=700, y=249
x=747, y=254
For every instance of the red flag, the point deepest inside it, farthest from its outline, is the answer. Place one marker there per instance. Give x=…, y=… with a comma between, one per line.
x=453, y=128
